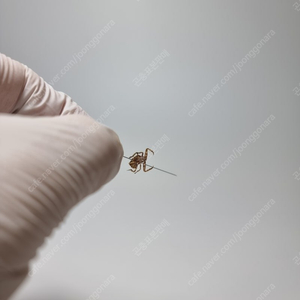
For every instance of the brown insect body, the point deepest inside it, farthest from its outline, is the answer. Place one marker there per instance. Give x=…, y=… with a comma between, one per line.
x=138, y=159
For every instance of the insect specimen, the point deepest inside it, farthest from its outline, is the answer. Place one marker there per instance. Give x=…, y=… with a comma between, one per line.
x=138, y=159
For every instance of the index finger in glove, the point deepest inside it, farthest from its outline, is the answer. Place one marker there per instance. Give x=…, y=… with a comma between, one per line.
x=24, y=92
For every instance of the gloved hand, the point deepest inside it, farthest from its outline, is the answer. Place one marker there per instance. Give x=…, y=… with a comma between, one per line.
x=52, y=155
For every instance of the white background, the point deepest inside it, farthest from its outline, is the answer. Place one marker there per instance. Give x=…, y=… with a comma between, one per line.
x=204, y=39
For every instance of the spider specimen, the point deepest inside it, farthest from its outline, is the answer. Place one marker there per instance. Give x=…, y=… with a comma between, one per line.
x=137, y=160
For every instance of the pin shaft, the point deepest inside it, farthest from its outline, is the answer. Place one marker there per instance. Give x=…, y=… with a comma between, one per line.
x=155, y=168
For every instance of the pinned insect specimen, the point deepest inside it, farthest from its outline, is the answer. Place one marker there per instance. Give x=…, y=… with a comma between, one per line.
x=138, y=159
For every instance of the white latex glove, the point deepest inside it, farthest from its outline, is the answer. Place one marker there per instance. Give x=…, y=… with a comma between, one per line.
x=39, y=181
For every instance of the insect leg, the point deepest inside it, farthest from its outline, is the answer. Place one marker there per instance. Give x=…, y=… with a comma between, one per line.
x=146, y=153
x=139, y=169
x=135, y=154
x=144, y=167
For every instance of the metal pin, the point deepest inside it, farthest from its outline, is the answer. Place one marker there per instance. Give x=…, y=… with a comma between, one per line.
x=155, y=168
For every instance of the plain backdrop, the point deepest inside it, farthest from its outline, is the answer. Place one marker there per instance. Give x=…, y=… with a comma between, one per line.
x=204, y=39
